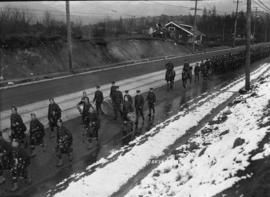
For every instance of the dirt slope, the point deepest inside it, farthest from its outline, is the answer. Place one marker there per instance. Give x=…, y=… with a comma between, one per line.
x=52, y=57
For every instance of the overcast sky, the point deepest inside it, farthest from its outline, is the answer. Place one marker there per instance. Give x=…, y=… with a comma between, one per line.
x=93, y=11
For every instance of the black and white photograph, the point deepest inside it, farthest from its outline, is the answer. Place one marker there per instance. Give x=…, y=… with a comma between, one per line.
x=135, y=98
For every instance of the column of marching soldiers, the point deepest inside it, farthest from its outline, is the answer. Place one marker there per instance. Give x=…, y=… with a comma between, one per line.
x=14, y=156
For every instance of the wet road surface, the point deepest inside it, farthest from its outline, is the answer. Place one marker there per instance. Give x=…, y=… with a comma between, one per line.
x=27, y=94
x=42, y=169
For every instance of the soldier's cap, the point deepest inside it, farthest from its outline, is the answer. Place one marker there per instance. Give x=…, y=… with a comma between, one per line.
x=151, y=88
x=126, y=91
x=14, y=107
x=97, y=86
x=138, y=91
x=113, y=82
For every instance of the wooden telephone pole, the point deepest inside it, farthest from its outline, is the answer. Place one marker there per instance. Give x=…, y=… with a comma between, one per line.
x=69, y=37
x=255, y=18
x=235, y=22
x=247, y=68
x=195, y=26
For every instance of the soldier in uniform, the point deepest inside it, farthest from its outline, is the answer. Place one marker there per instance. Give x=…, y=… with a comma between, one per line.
x=85, y=110
x=17, y=126
x=117, y=101
x=127, y=108
x=98, y=98
x=151, y=98
x=197, y=72
x=64, y=143
x=127, y=130
x=5, y=158
x=54, y=113
x=82, y=103
x=129, y=97
x=20, y=163
x=139, y=103
x=113, y=90
x=93, y=126
x=37, y=133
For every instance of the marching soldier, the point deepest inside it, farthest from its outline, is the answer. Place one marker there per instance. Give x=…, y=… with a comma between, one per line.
x=85, y=110
x=117, y=101
x=93, y=126
x=127, y=131
x=113, y=90
x=139, y=103
x=98, y=98
x=151, y=98
x=18, y=128
x=5, y=158
x=127, y=108
x=197, y=72
x=81, y=104
x=128, y=96
x=37, y=133
x=54, y=113
x=20, y=164
x=64, y=143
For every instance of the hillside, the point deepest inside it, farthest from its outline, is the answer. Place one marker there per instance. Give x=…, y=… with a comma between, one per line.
x=52, y=56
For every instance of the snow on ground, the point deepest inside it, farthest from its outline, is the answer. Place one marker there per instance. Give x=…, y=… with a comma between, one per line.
x=107, y=179
x=208, y=163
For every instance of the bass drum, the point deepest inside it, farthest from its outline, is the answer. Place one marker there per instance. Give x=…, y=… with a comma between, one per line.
x=107, y=108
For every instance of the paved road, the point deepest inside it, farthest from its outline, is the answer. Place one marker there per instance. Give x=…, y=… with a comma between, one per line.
x=23, y=95
x=46, y=175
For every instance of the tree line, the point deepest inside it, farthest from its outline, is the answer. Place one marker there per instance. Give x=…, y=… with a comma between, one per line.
x=19, y=29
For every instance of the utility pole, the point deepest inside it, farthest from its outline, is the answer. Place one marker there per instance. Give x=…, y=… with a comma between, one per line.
x=255, y=18
x=247, y=68
x=235, y=22
x=69, y=37
x=195, y=25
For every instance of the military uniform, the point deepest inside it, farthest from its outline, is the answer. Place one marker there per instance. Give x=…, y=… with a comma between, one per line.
x=93, y=126
x=20, y=163
x=117, y=101
x=127, y=131
x=37, y=133
x=5, y=158
x=151, y=98
x=54, y=113
x=197, y=72
x=139, y=103
x=98, y=98
x=18, y=128
x=129, y=98
x=113, y=90
x=127, y=108
x=64, y=144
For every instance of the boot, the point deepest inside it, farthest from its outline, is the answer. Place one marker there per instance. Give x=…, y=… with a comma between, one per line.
x=2, y=180
x=60, y=162
x=14, y=187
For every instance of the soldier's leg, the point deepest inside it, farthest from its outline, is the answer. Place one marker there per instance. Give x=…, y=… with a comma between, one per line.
x=2, y=178
x=59, y=159
x=141, y=113
x=32, y=150
x=14, y=175
x=137, y=117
